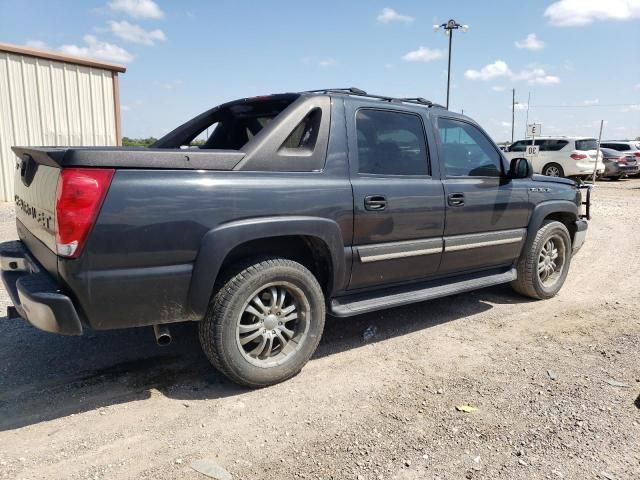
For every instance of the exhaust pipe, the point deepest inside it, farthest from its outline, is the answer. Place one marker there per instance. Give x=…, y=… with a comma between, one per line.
x=163, y=335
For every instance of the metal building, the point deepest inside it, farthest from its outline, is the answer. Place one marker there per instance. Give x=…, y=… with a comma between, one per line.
x=52, y=99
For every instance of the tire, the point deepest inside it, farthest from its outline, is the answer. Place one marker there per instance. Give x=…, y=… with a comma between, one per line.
x=553, y=170
x=615, y=179
x=234, y=313
x=530, y=281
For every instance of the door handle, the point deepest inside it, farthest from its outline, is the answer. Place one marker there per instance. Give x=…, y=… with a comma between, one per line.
x=455, y=199
x=375, y=202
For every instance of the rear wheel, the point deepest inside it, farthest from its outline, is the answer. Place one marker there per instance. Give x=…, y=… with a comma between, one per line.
x=553, y=170
x=543, y=269
x=264, y=322
x=615, y=179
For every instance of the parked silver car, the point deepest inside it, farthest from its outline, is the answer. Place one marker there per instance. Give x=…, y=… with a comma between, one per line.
x=628, y=147
x=618, y=164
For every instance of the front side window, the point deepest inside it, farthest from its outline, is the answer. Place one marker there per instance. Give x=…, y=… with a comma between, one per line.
x=519, y=146
x=467, y=151
x=391, y=143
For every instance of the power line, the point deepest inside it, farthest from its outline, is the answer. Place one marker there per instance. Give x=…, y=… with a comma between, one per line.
x=586, y=106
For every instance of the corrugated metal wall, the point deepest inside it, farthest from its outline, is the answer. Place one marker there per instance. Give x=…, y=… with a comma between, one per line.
x=50, y=103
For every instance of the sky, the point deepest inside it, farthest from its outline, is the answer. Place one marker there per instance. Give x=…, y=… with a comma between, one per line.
x=579, y=60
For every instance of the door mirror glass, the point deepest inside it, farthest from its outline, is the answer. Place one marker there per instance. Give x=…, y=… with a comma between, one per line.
x=520, y=168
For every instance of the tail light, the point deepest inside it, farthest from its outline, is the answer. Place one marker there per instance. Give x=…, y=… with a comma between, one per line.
x=622, y=161
x=578, y=156
x=80, y=194
x=637, y=154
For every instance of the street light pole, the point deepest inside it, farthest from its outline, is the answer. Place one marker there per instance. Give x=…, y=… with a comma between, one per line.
x=448, y=29
x=449, y=67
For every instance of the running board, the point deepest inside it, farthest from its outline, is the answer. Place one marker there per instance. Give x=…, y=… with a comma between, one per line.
x=359, y=303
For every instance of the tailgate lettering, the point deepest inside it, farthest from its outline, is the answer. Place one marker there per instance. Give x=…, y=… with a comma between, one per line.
x=44, y=219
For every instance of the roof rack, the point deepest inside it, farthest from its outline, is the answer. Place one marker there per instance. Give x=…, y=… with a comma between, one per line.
x=361, y=93
x=351, y=90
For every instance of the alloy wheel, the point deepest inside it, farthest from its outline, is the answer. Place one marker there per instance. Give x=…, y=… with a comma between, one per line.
x=273, y=324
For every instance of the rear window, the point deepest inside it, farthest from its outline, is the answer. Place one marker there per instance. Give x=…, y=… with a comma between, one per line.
x=587, y=144
x=228, y=127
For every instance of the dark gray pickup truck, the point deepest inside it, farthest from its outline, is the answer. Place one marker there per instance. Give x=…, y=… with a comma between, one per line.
x=295, y=205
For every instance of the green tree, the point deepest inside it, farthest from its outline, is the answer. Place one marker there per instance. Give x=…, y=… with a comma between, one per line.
x=138, y=142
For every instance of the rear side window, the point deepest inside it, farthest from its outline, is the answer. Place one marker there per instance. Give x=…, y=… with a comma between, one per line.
x=621, y=147
x=391, y=143
x=551, y=145
x=304, y=136
x=587, y=144
x=467, y=151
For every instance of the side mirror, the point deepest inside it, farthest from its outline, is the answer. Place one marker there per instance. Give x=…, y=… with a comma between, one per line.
x=520, y=168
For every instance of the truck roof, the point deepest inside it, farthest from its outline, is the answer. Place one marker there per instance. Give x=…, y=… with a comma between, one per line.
x=357, y=92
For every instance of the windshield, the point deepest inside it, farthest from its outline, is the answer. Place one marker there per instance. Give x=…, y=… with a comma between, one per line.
x=587, y=144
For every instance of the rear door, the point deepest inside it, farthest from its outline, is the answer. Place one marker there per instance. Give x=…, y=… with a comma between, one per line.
x=398, y=197
x=486, y=212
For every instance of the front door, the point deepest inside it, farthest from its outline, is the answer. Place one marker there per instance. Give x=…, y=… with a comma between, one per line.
x=486, y=212
x=398, y=204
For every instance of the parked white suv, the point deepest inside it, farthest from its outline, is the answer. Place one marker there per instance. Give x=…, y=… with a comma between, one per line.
x=561, y=156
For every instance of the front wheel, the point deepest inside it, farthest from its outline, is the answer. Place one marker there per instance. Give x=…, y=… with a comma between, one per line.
x=543, y=268
x=264, y=322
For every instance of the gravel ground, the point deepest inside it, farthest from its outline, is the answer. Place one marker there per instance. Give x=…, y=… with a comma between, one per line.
x=556, y=385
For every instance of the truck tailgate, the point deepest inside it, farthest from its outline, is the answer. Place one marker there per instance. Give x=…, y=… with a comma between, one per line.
x=35, y=198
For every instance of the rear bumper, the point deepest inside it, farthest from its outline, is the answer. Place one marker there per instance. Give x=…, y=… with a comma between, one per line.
x=584, y=169
x=614, y=170
x=36, y=295
x=580, y=236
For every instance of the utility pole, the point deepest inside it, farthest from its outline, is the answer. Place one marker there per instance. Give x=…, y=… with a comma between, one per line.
x=448, y=29
x=526, y=122
x=513, y=112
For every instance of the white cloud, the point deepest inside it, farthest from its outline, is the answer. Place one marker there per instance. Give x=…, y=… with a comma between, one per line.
x=388, y=15
x=496, y=69
x=498, y=88
x=569, y=13
x=423, y=54
x=521, y=106
x=531, y=42
x=125, y=108
x=637, y=86
x=595, y=101
x=137, y=8
x=499, y=69
x=96, y=49
x=170, y=85
x=135, y=33
x=388, y=66
x=537, y=76
x=505, y=124
x=631, y=108
x=36, y=44
x=320, y=62
x=326, y=62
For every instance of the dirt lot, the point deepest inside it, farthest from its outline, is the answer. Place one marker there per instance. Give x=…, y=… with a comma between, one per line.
x=554, y=382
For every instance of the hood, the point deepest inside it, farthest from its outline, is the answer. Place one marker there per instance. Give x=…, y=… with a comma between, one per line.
x=543, y=178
